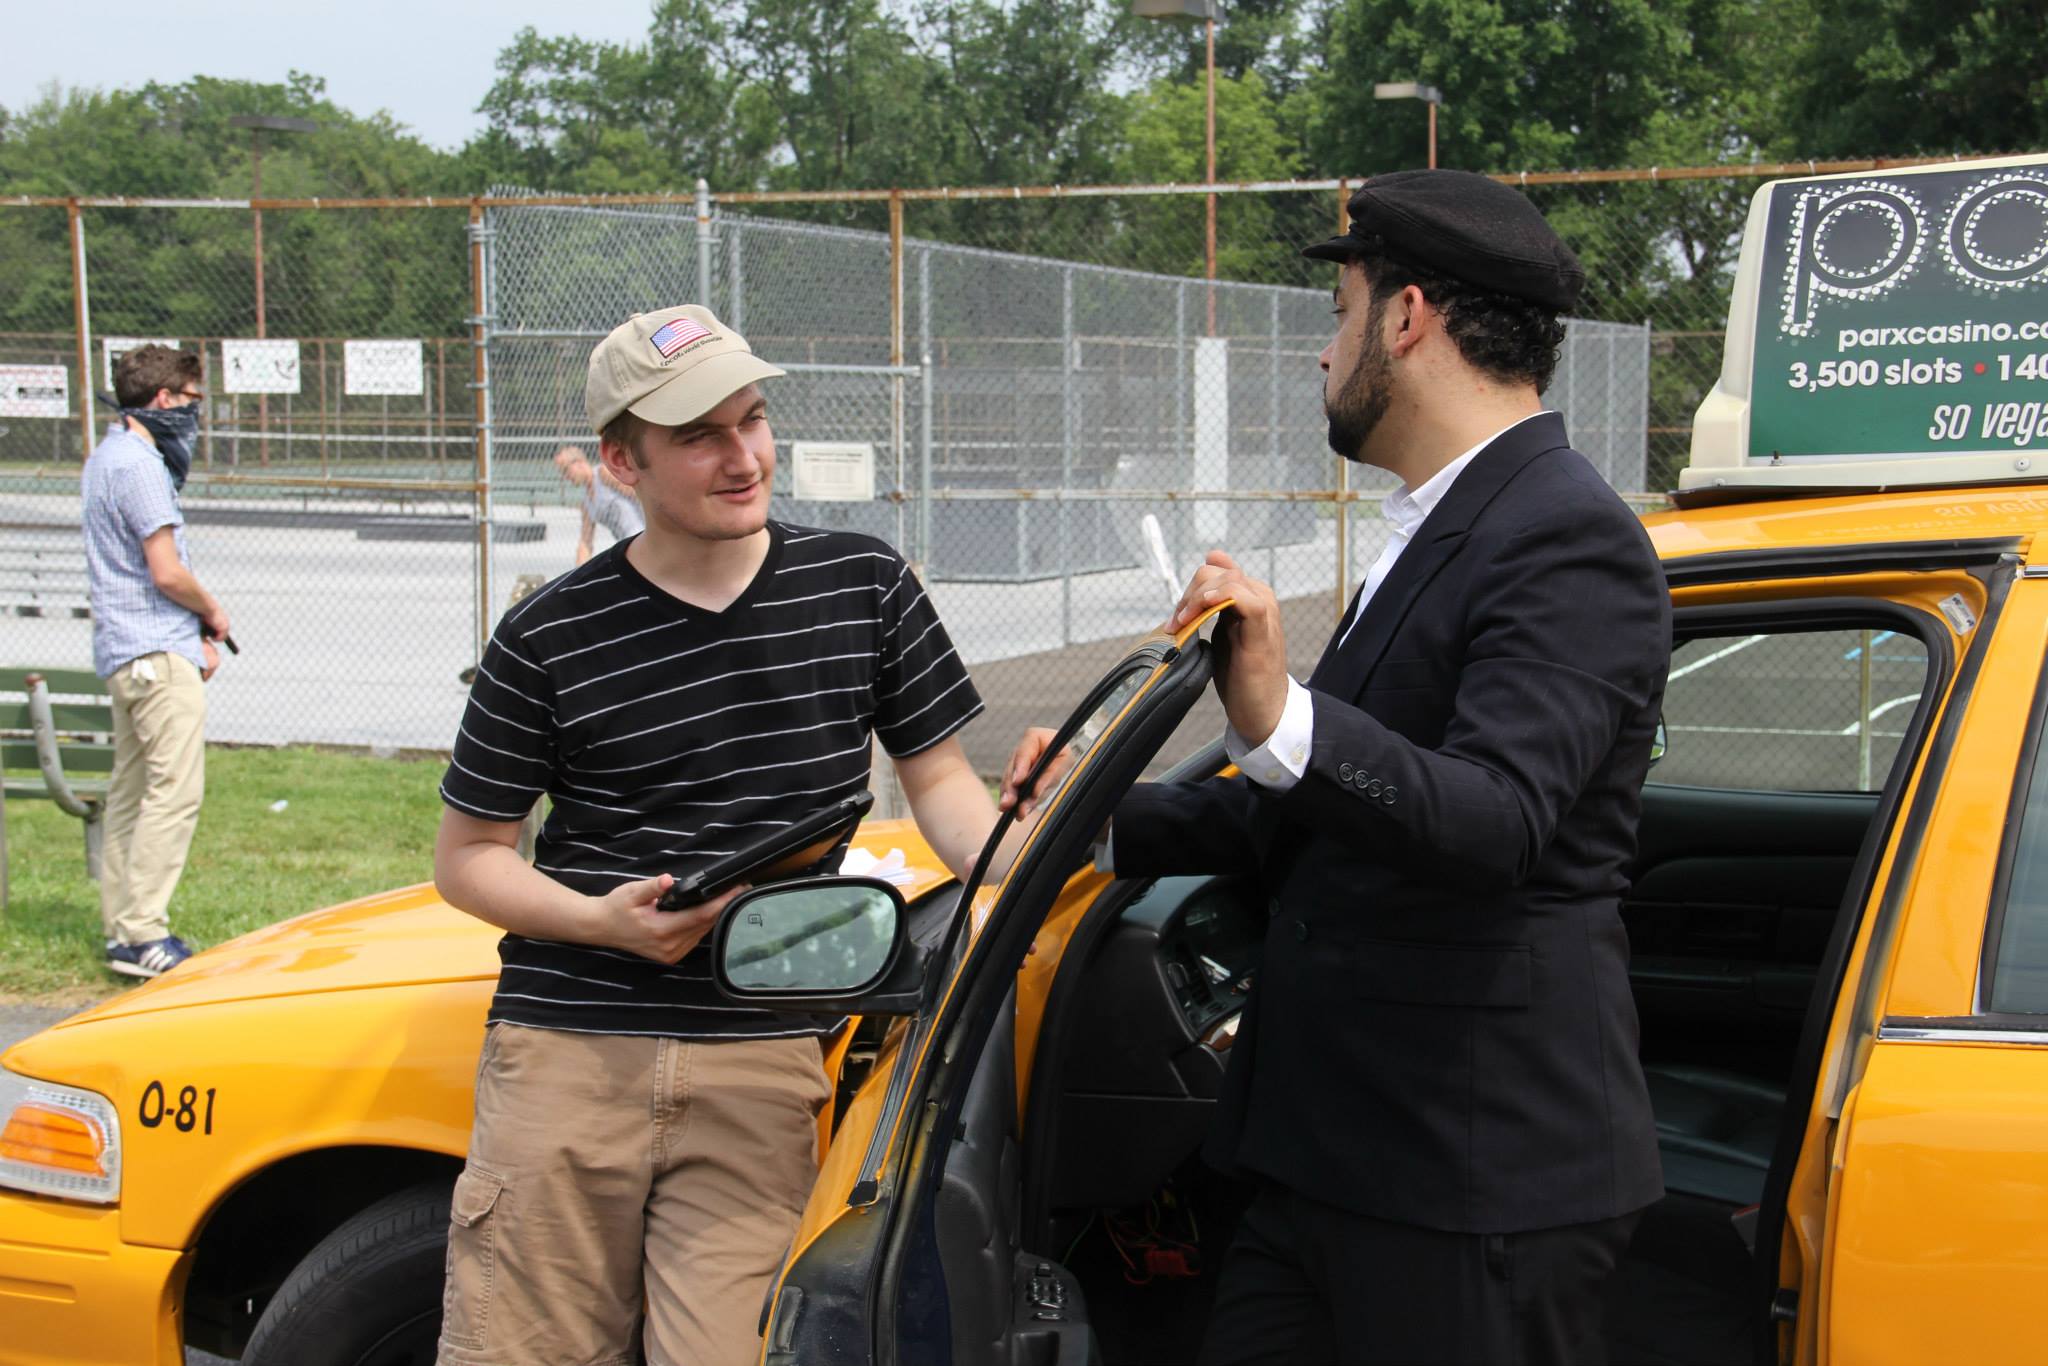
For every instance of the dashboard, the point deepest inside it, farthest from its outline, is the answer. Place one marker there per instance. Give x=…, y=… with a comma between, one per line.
x=1210, y=950
x=1144, y=1028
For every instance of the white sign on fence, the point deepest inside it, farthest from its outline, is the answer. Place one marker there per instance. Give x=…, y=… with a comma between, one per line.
x=259, y=366
x=1212, y=438
x=832, y=471
x=35, y=391
x=382, y=367
x=113, y=348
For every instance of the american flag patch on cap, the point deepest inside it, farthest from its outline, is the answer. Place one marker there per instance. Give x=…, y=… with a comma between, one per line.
x=677, y=333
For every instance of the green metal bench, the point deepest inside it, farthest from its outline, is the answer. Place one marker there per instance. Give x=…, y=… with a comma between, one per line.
x=59, y=723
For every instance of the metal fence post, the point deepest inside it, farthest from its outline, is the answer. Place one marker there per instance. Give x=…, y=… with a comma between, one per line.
x=83, y=310
x=1641, y=439
x=735, y=281
x=704, y=242
x=1273, y=438
x=1183, y=445
x=1343, y=465
x=1066, y=454
x=924, y=435
x=1863, y=713
x=480, y=338
x=1607, y=400
x=1343, y=536
x=896, y=348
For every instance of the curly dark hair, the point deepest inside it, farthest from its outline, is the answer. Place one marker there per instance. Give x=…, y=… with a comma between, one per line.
x=1510, y=339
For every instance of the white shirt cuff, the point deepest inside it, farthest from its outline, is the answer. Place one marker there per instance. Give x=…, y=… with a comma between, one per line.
x=1279, y=763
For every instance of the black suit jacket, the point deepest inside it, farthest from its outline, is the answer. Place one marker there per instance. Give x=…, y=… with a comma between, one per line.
x=1441, y=1032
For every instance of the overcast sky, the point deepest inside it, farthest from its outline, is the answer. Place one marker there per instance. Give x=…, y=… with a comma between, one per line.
x=427, y=61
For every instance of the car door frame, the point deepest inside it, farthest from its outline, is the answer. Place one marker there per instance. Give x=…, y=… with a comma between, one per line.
x=856, y=1316
x=1840, y=1022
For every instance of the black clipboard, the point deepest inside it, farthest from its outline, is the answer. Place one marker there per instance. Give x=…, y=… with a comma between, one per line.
x=792, y=849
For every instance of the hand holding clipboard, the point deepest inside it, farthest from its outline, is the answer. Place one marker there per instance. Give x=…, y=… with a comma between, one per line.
x=793, y=849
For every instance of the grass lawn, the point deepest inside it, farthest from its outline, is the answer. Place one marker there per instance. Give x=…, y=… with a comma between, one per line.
x=354, y=825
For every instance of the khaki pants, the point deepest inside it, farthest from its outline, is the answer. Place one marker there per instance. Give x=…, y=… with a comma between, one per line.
x=605, y=1170
x=153, y=798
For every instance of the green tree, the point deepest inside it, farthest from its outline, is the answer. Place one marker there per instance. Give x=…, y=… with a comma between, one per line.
x=1274, y=38
x=819, y=94
x=569, y=114
x=1164, y=142
x=175, y=140
x=850, y=90
x=190, y=272
x=1904, y=77
x=1022, y=86
x=1528, y=84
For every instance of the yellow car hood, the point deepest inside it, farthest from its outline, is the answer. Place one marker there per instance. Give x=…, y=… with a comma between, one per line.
x=400, y=938
x=396, y=938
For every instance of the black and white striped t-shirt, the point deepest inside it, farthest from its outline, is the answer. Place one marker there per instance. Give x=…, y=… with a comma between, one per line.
x=665, y=734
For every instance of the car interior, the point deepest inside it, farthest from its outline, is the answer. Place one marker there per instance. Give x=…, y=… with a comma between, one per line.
x=1088, y=1228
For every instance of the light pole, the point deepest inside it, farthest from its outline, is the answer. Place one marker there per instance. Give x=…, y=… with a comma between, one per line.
x=1204, y=11
x=258, y=125
x=1414, y=90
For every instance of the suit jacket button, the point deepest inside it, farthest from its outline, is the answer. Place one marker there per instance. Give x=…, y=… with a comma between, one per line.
x=1374, y=788
x=1360, y=779
x=1343, y=773
x=1388, y=796
x=1273, y=908
x=1301, y=929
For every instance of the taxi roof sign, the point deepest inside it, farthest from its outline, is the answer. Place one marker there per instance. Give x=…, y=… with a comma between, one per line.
x=1887, y=328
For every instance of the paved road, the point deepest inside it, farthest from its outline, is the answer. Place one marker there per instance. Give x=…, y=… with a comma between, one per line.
x=347, y=641
x=17, y=1022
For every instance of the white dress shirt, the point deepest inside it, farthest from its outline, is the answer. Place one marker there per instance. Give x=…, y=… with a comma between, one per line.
x=1279, y=763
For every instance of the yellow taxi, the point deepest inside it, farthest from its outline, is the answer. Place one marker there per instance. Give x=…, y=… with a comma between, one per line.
x=1839, y=925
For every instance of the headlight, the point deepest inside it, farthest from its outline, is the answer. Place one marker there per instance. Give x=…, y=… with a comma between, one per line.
x=58, y=1140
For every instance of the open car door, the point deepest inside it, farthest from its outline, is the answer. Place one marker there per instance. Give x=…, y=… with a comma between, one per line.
x=911, y=1248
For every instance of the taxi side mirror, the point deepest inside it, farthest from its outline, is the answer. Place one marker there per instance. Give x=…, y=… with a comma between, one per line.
x=1660, y=743
x=818, y=944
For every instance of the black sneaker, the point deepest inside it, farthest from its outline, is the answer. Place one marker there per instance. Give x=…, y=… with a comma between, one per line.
x=153, y=959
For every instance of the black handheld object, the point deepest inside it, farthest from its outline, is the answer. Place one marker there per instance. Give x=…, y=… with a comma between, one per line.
x=792, y=849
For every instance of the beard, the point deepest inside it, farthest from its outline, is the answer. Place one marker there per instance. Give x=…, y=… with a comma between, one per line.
x=1356, y=409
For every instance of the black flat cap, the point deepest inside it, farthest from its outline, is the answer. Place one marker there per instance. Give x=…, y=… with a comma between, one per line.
x=1468, y=227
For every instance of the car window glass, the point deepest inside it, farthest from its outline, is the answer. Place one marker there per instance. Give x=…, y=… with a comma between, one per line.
x=2019, y=978
x=1789, y=711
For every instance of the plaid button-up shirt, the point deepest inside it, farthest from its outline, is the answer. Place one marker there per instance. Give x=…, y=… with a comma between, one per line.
x=128, y=495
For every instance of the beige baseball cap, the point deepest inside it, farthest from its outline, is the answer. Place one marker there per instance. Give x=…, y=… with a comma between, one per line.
x=670, y=367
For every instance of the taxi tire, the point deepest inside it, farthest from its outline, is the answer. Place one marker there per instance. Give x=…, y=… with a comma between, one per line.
x=368, y=1294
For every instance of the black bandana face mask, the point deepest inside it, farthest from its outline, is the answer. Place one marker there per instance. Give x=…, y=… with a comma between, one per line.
x=176, y=431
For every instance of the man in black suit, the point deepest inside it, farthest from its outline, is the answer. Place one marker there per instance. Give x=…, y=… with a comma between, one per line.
x=1435, y=1085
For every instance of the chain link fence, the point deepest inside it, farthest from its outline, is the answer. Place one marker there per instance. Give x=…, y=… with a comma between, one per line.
x=1004, y=384
x=1010, y=420
x=1795, y=711
x=331, y=504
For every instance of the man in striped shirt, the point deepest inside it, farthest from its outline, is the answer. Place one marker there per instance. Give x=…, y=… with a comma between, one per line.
x=637, y=1136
